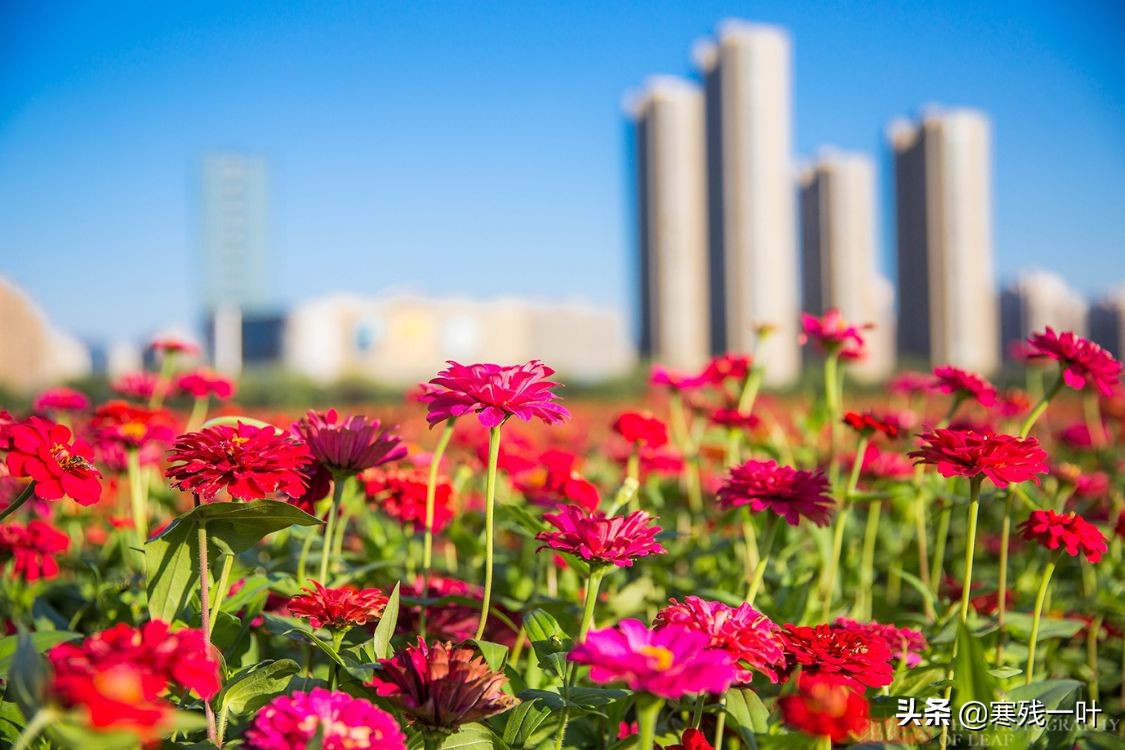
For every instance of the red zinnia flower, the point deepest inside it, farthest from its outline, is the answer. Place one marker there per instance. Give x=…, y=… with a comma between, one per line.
x=962, y=384
x=495, y=393
x=826, y=706
x=448, y=618
x=349, y=447
x=788, y=492
x=138, y=386
x=401, y=494
x=909, y=383
x=832, y=334
x=32, y=549
x=249, y=462
x=869, y=424
x=728, y=367
x=880, y=464
x=602, y=539
x=554, y=480
x=338, y=608
x=692, y=739
x=1070, y=531
x=735, y=418
x=1083, y=362
x=205, y=383
x=61, y=399
x=857, y=657
x=901, y=641
x=442, y=686
x=641, y=428
x=131, y=426
x=963, y=453
x=42, y=451
x=751, y=638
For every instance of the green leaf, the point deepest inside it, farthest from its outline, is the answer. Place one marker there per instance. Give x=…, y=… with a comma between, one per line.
x=1019, y=624
x=495, y=654
x=1055, y=695
x=550, y=642
x=474, y=737
x=172, y=557
x=385, y=630
x=970, y=673
x=40, y=641
x=748, y=713
x=255, y=686
x=522, y=723
x=27, y=682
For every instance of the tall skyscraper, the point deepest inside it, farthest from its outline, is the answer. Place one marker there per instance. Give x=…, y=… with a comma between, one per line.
x=838, y=240
x=234, y=224
x=1035, y=300
x=947, y=306
x=752, y=220
x=672, y=221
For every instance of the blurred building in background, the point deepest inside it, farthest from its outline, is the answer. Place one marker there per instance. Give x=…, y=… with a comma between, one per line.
x=33, y=354
x=405, y=339
x=1107, y=321
x=947, y=306
x=1035, y=300
x=839, y=264
x=672, y=222
x=752, y=217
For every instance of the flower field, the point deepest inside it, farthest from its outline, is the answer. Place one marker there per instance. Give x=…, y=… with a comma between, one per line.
x=489, y=564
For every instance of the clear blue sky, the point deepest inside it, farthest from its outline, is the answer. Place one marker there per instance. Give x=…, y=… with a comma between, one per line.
x=481, y=147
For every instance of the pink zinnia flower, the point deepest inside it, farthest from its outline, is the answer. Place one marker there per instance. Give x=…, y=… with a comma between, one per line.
x=881, y=464
x=669, y=662
x=602, y=539
x=347, y=448
x=910, y=383
x=249, y=462
x=746, y=634
x=1083, y=362
x=495, y=393
x=338, y=608
x=832, y=334
x=442, y=687
x=61, y=399
x=790, y=493
x=677, y=381
x=335, y=720
x=963, y=453
x=138, y=386
x=962, y=384
x=205, y=383
x=1067, y=530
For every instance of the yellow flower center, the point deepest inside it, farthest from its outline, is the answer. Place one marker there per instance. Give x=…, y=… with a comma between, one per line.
x=662, y=657
x=135, y=430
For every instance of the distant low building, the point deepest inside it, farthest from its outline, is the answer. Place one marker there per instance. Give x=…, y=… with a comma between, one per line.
x=1107, y=322
x=405, y=338
x=1035, y=300
x=33, y=354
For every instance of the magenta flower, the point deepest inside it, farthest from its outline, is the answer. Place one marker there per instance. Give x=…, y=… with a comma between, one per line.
x=832, y=334
x=752, y=639
x=962, y=384
x=1004, y=459
x=249, y=462
x=669, y=662
x=790, y=493
x=61, y=399
x=1083, y=362
x=495, y=393
x=678, y=381
x=205, y=383
x=349, y=447
x=336, y=720
x=602, y=539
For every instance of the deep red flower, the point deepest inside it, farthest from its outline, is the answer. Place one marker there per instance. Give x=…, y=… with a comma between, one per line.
x=826, y=705
x=118, y=676
x=883, y=464
x=727, y=417
x=61, y=399
x=641, y=428
x=449, y=619
x=964, y=453
x=751, y=638
x=726, y=367
x=442, y=686
x=1083, y=362
x=347, y=448
x=901, y=641
x=857, y=657
x=554, y=480
x=602, y=539
x=32, y=549
x=1013, y=403
x=692, y=739
x=495, y=393
x=249, y=462
x=43, y=452
x=318, y=486
x=138, y=386
x=983, y=604
x=401, y=494
x=338, y=608
x=790, y=493
x=1119, y=528
x=869, y=423
x=832, y=334
x=1067, y=530
x=205, y=383
x=962, y=384
x=131, y=426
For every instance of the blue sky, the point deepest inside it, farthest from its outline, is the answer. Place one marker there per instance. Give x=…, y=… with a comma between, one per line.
x=480, y=148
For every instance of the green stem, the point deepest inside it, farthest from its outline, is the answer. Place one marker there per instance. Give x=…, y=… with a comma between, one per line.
x=220, y=591
x=1029, y=672
x=1002, y=584
x=648, y=712
x=592, y=586
x=1092, y=656
x=1041, y=407
x=1092, y=411
x=832, y=403
x=958, y=399
x=829, y=588
x=205, y=618
x=920, y=531
x=970, y=546
x=749, y=546
x=824, y=742
x=772, y=524
x=330, y=528
x=137, y=496
x=198, y=413
x=720, y=722
x=431, y=501
x=303, y=560
x=870, y=537
x=167, y=367
x=633, y=464
x=22, y=498
x=937, y=568
x=489, y=525
x=40, y=721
